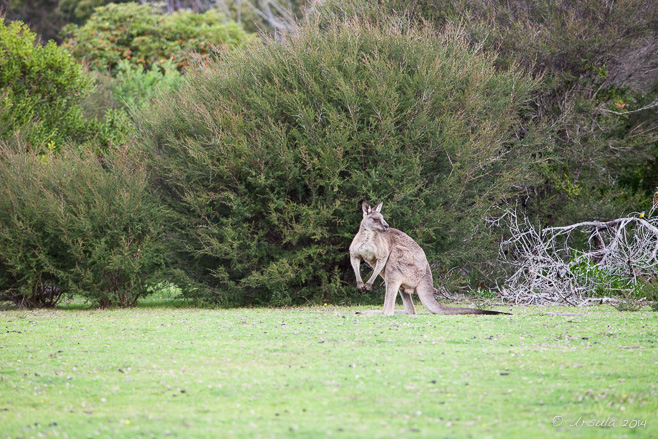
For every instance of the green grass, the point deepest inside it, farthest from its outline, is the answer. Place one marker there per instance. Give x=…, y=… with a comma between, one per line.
x=317, y=372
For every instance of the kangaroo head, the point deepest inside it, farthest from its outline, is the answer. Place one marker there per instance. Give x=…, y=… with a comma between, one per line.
x=372, y=218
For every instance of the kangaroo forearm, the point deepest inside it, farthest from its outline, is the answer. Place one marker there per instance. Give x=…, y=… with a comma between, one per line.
x=372, y=278
x=356, y=266
x=378, y=269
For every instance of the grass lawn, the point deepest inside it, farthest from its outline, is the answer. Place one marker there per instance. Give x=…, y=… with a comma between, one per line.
x=318, y=372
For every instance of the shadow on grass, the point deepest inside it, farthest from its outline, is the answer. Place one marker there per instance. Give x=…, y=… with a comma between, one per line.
x=78, y=304
x=149, y=302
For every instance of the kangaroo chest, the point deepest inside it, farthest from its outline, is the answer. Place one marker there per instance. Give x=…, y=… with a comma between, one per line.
x=369, y=248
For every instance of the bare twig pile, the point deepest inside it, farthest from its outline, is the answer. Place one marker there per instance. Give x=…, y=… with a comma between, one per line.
x=570, y=265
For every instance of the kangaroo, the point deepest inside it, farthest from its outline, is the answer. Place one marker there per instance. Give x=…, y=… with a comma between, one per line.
x=400, y=261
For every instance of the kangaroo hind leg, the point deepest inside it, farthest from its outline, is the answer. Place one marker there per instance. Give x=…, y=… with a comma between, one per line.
x=392, y=289
x=408, y=301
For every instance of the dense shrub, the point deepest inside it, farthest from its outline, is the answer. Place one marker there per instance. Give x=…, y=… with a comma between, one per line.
x=41, y=88
x=40, y=15
x=134, y=85
x=79, y=11
x=559, y=37
x=592, y=58
x=145, y=35
x=131, y=87
x=267, y=153
x=72, y=224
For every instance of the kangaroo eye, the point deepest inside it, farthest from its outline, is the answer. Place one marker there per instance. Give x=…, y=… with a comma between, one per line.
x=376, y=220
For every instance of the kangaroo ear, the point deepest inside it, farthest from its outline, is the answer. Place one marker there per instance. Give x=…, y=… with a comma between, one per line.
x=378, y=208
x=366, y=208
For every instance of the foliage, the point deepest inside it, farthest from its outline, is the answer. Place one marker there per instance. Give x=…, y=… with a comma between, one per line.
x=40, y=15
x=649, y=290
x=629, y=292
x=79, y=11
x=47, y=17
x=644, y=292
x=267, y=153
x=594, y=61
x=482, y=298
x=632, y=293
x=628, y=302
x=264, y=16
x=133, y=85
x=146, y=36
x=74, y=224
x=568, y=41
x=41, y=88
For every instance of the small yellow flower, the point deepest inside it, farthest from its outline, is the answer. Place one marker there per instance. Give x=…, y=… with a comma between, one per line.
x=127, y=421
x=325, y=304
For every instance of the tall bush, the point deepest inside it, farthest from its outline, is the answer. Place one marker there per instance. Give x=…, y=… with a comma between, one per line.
x=39, y=89
x=131, y=87
x=146, y=35
x=136, y=50
x=77, y=224
x=135, y=85
x=267, y=153
x=597, y=63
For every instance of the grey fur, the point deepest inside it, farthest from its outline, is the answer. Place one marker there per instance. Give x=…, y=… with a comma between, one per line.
x=400, y=261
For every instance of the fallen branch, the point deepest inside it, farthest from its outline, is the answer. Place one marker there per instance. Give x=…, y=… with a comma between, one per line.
x=551, y=266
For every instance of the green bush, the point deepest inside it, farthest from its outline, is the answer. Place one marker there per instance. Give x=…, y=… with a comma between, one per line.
x=601, y=281
x=145, y=35
x=79, y=11
x=568, y=41
x=72, y=224
x=590, y=163
x=133, y=85
x=41, y=88
x=267, y=153
x=40, y=15
x=129, y=89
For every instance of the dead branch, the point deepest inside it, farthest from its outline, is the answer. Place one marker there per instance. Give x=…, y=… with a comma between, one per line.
x=622, y=113
x=275, y=13
x=571, y=264
x=278, y=17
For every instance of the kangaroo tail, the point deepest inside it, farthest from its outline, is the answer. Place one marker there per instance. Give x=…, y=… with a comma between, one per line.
x=426, y=296
x=474, y=311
